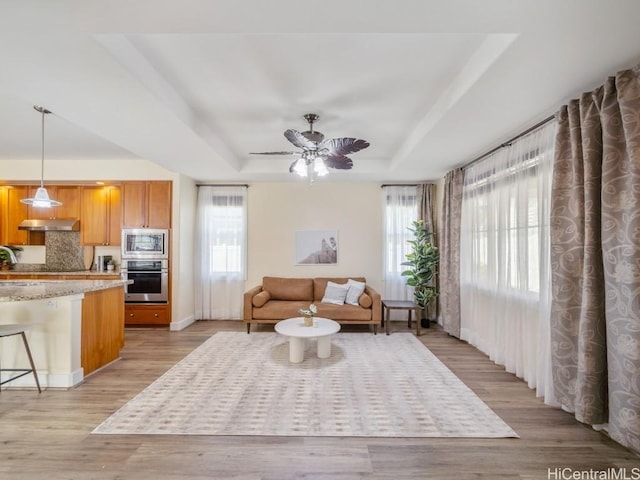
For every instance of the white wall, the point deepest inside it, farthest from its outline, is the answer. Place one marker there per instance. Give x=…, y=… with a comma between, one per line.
x=278, y=210
x=73, y=170
x=184, y=216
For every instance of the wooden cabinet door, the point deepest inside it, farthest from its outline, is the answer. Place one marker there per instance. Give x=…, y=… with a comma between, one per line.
x=69, y=195
x=159, y=204
x=133, y=204
x=146, y=204
x=100, y=215
x=115, y=217
x=93, y=216
x=16, y=212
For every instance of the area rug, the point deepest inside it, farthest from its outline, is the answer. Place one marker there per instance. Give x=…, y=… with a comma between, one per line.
x=371, y=386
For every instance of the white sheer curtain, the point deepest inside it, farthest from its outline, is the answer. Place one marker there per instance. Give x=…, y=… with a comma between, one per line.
x=400, y=207
x=220, y=251
x=504, y=261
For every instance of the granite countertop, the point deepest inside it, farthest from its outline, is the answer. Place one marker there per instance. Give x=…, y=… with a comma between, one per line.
x=49, y=272
x=21, y=290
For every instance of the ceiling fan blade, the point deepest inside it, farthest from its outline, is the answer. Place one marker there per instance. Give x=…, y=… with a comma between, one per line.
x=339, y=162
x=342, y=146
x=299, y=140
x=274, y=153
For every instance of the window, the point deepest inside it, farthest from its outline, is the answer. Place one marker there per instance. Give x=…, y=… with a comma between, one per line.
x=504, y=254
x=400, y=209
x=225, y=216
x=220, y=251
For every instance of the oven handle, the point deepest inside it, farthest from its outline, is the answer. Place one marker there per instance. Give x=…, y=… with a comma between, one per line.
x=145, y=271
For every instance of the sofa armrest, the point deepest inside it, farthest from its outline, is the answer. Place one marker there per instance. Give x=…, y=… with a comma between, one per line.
x=248, y=302
x=376, y=304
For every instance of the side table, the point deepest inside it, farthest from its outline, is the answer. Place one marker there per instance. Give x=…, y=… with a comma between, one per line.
x=388, y=305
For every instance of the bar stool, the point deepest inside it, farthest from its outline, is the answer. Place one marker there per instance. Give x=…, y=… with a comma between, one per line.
x=14, y=329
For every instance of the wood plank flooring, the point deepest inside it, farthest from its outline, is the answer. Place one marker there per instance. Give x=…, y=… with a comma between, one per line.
x=47, y=436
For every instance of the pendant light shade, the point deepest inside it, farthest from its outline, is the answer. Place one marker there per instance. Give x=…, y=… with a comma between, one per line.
x=41, y=198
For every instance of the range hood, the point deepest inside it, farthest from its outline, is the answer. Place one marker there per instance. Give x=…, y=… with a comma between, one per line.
x=52, y=225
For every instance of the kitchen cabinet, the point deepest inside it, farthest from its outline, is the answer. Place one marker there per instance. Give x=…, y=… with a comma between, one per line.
x=68, y=195
x=149, y=315
x=100, y=215
x=13, y=213
x=146, y=204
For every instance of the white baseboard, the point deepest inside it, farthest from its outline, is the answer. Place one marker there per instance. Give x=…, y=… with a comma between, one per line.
x=48, y=380
x=182, y=324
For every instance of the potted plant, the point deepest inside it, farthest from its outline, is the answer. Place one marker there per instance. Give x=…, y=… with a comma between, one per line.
x=5, y=256
x=423, y=261
x=307, y=314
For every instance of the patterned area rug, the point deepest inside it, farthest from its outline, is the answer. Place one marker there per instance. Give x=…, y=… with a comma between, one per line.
x=372, y=385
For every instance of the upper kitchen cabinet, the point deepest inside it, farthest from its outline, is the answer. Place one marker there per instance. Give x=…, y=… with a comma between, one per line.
x=146, y=204
x=100, y=215
x=13, y=213
x=68, y=195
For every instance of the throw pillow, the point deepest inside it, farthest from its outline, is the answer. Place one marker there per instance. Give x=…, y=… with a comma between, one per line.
x=335, y=293
x=355, y=290
x=365, y=301
x=261, y=298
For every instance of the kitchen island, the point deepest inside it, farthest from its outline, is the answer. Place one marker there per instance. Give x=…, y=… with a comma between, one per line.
x=76, y=327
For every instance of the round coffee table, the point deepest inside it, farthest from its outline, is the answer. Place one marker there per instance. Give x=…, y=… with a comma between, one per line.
x=294, y=328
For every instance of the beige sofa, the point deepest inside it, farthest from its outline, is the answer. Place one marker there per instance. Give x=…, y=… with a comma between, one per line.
x=279, y=298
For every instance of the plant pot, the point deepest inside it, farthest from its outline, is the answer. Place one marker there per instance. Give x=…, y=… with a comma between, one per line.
x=425, y=323
x=308, y=321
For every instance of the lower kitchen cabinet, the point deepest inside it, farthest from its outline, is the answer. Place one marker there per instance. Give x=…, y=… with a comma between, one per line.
x=147, y=315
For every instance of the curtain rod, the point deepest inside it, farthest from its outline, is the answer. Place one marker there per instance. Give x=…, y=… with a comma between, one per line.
x=222, y=185
x=398, y=185
x=510, y=141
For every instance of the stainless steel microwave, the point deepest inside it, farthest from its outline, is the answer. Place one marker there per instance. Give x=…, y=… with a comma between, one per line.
x=145, y=243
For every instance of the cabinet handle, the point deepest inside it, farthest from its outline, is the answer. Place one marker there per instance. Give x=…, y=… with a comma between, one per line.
x=131, y=314
x=155, y=314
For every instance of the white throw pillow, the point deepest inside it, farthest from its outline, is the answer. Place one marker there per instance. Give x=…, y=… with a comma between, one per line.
x=355, y=290
x=335, y=293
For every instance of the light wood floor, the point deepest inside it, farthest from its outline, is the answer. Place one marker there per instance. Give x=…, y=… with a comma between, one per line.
x=47, y=436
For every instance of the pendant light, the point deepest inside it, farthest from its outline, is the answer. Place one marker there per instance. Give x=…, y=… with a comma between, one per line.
x=41, y=198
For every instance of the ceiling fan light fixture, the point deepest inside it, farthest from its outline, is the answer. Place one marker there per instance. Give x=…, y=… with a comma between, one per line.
x=300, y=168
x=41, y=198
x=318, y=154
x=319, y=168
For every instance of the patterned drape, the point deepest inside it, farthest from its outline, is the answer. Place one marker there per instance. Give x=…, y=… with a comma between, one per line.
x=426, y=210
x=595, y=258
x=449, y=239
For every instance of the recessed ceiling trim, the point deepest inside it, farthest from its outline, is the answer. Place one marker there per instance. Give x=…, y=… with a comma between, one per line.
x=487, y=53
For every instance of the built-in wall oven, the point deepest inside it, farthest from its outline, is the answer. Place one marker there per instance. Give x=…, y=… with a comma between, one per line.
x=150, y=280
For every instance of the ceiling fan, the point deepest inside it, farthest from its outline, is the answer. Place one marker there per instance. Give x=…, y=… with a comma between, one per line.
x=317, y=153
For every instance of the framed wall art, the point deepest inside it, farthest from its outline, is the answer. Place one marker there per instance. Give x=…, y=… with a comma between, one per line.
x=317, y=247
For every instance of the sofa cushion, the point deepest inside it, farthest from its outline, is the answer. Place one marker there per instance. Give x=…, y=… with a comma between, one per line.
x=365, y=301
x=343, y=312
x=296, y=289
x=355, y=290
x=320, y=284
x=261, y=298
x=335, y=293
x=279, y=310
